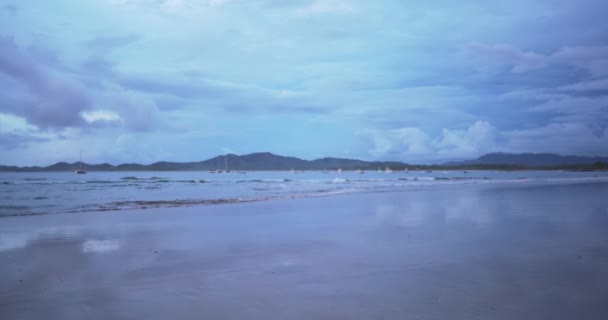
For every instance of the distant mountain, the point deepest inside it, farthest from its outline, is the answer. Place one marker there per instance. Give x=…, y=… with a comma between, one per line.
x=254, y=161
x=269, y=161
x=530, y=160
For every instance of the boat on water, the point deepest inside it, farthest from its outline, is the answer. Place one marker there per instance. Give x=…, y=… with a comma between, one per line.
x=80, y=170
x=339, y=170
x=360, y=171
x=220, y=170
x=388, y=170
x=226, y=164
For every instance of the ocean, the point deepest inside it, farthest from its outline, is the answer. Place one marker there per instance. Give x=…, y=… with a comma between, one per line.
x=59, y=192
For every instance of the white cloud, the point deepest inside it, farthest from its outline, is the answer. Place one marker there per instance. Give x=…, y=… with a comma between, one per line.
x=11, y=123
x=478, y=138
x=415, y=143
x=412, y=141
x=100, y=116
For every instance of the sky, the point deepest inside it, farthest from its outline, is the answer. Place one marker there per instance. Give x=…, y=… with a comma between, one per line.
x=127, y=81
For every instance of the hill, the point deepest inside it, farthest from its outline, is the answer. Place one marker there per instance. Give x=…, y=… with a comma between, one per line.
x=269, y=161
x=530, y=160
x=253, y=161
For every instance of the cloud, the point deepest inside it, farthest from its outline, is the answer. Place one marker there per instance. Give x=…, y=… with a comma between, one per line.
x=586, y=86
x=390, y=70
x=520, y=61
x=138, y=112
x=178, y=89
x=477, y=139
x=412, y=141
x=561, y=138
x=415, y=143
x=101, y=116
x=16, y=132
x=594, y=59
x=591, y=58
x=56, y=103
x=565, y=138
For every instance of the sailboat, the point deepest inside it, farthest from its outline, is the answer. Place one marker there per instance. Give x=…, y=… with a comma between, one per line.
x=388, y=170
x=218, y=170
x=80, y=170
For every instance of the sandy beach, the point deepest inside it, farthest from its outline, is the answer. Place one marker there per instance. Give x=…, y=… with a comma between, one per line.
x=467, y=252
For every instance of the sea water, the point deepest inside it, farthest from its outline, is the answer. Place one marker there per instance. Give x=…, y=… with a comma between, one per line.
x=23, y=193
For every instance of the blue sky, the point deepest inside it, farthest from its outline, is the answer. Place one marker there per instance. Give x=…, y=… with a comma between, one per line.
x=185, y=80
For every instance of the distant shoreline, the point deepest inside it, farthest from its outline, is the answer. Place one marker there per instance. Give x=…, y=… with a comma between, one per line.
x=582, y=168
x=266, y=161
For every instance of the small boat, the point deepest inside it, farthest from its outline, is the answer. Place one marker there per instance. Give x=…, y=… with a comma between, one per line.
x=226, y=164
x=360, y=171
x=388, y=170
x=339, y=170
x=80, y=170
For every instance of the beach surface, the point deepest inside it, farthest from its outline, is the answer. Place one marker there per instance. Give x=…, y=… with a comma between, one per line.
x=504, y=251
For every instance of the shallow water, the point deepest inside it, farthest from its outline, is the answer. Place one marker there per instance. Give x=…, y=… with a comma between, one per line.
x=52, y=192
x=475, y=251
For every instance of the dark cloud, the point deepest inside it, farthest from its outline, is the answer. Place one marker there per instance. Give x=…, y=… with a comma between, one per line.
x=593, y=59
x=10, y=140
x=98, y=66
x=55, y=103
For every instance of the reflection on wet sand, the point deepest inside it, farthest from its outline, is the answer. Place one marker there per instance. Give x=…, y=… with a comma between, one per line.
x=474, y=252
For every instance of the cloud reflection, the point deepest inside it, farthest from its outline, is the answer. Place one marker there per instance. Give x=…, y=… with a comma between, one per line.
x=100, y=246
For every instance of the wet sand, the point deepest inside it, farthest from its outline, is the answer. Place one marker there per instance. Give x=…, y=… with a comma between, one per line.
x=510, y=251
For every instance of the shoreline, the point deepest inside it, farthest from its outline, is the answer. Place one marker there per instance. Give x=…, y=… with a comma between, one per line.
x=448, y=183
x=492, y=252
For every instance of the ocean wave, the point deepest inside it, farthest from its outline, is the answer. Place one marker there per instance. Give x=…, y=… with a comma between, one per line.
x=124, y=194
x=145, y=204
x=263, y=180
